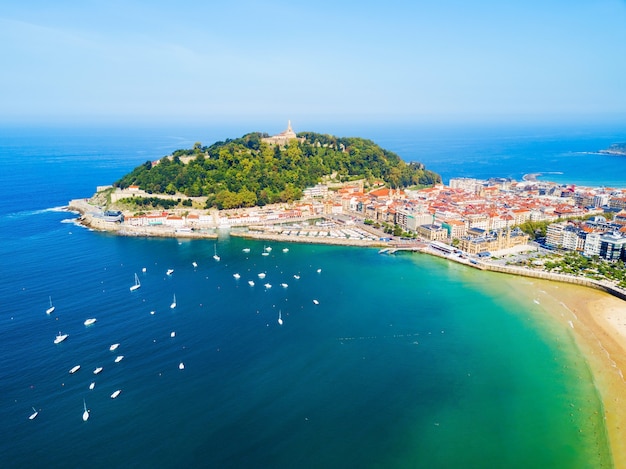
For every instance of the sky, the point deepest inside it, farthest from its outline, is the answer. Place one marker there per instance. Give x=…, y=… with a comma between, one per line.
x=394, y=61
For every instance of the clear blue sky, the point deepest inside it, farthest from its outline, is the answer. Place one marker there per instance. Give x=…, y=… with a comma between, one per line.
x=157, y=61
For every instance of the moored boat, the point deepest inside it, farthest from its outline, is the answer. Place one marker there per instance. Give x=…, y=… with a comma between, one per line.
x=85, y=411
x=60, y=338
x=136, y=285
x=51, y=308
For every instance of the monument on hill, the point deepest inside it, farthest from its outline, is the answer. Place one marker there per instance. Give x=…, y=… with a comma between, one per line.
x=284, y=137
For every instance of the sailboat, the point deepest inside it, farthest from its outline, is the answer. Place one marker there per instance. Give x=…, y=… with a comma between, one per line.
x=280, y=319
x=215, y=256
x=60, y=338
x=86, y=412
x=136, y=285
x=173, y=305
x=34, y=414
x=51, y=308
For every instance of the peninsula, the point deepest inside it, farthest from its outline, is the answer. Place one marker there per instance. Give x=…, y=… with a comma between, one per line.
x=615, y=149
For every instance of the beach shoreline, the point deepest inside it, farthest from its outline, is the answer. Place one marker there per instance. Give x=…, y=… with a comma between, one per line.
x=597, y=322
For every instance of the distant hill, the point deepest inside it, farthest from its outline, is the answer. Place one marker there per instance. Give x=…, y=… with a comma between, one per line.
x=615, y=149
x=246, y=171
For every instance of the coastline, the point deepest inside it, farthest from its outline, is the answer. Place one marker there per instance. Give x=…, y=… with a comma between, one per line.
x=594, y=319
x=592, y=315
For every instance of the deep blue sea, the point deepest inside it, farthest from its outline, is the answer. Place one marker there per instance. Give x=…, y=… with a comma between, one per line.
x=407, y=361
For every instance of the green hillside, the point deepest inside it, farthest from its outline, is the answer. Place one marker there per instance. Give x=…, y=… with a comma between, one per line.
x=246, y=171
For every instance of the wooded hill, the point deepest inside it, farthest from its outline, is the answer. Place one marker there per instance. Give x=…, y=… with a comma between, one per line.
x=245, y=172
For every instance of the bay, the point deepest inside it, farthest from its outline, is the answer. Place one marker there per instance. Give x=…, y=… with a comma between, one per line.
x=407, y=361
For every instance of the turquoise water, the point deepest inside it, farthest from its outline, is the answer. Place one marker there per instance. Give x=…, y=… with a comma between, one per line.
x=407, y=360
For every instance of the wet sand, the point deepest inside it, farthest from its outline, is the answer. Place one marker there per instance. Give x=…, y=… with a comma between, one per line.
x=598, y=322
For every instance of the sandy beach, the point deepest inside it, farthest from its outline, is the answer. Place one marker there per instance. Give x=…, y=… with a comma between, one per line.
x=598, y=323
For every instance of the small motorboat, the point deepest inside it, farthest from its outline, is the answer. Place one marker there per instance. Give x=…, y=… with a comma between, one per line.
x=113, y=347
x=97, y=370
x=116, y=393
x=74, y=369
x=34, y=414
x=119, y=358
x=60, y=338
x=90, y=321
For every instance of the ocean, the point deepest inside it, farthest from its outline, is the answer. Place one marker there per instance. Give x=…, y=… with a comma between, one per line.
x=406, y=360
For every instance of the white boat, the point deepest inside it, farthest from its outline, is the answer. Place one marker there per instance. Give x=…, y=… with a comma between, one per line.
x=144, y=270
x=268, y=285
x=280, y=318
x=319, y=271
x=262, y=275
x=297, y=277
x=74, y=369
x=116, y=393
x=34, y=414
x=265, y=253
x=92, y=385
x=315, y=302
x=246, y=250
x=195, y=264
x=237, y=276
x=85, y=412
x=251, y=283
x=136, y=285
x=60, y=338
x=169, y=271
x=113, y=347
x=173, y=305
x=181, y=366
x=89, y=322
x=119, y=358
x=215, y=256
x=267, y=249
x=284, y=285
x=97, y=370
x=51, y=308
x=173, y=334
x=285, y=249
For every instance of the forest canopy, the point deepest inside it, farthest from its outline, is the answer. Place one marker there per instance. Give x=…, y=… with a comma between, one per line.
x=245, y=172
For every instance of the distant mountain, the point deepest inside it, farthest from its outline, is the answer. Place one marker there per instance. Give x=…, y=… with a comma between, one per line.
x=615, y=149
x=251, y=170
